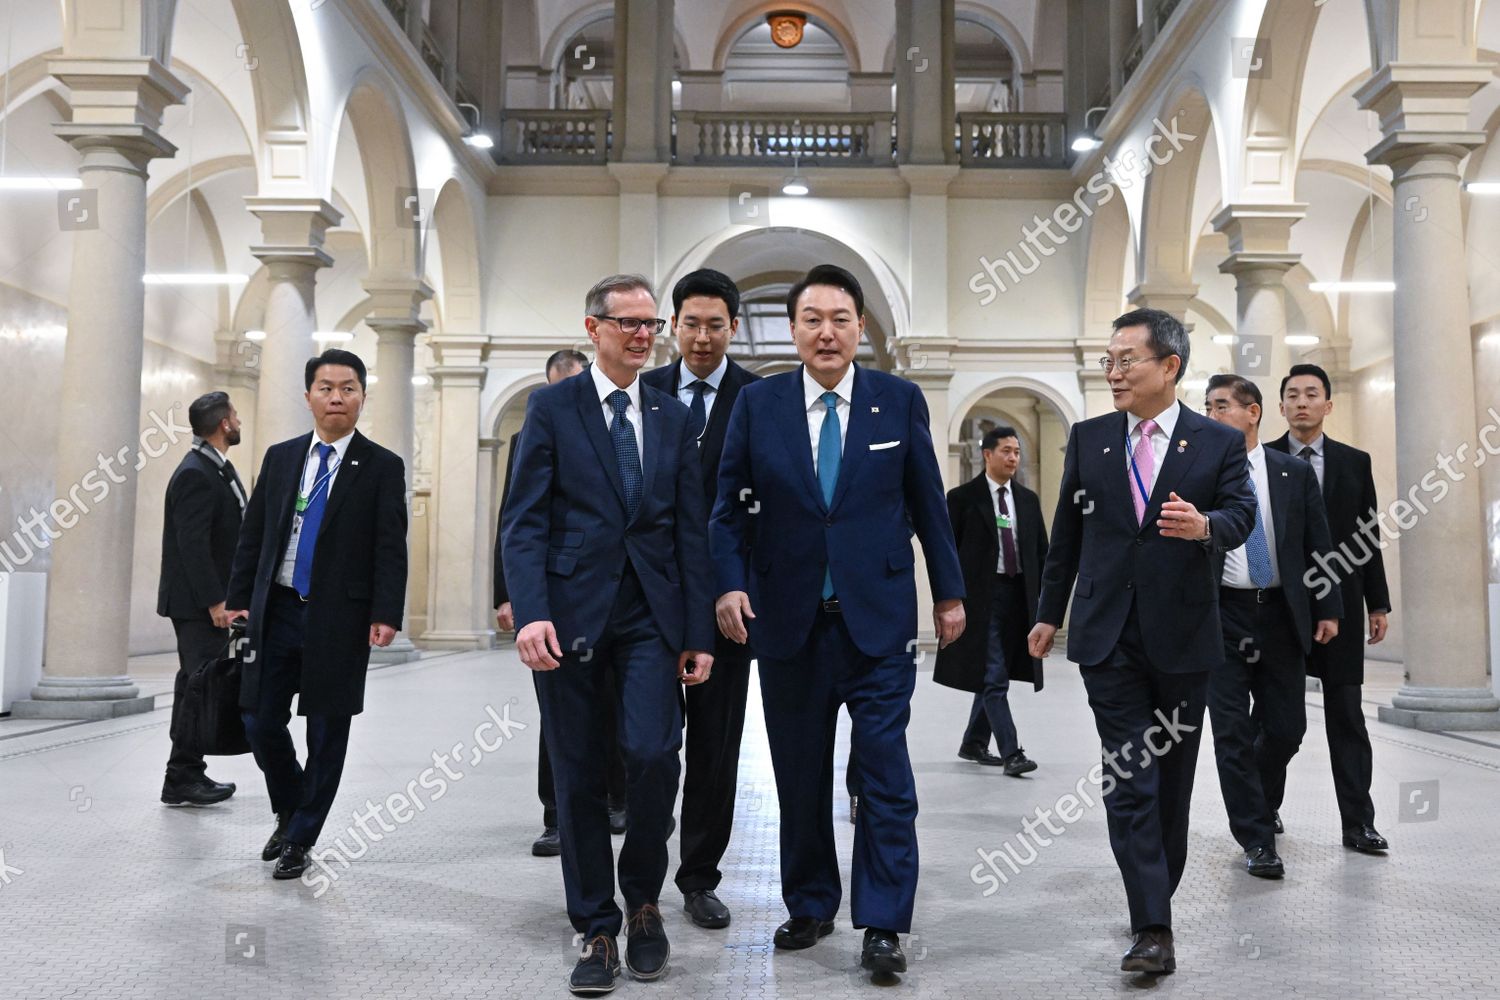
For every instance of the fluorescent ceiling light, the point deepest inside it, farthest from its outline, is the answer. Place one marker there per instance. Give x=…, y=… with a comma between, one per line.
x=1352, y=286
x=1086, y=143
x=795, y=187
x=1301, y=339
x=335, y=336
x=372, y=379
x=420, y=380
x=203, y=278
x=479, y=140
x=40, y=183
x=1224, y=338
x=255, y=335
x=1483, y=187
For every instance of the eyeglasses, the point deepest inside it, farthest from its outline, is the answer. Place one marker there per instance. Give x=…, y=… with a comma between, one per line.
x=630, y=325
x=1108, y=364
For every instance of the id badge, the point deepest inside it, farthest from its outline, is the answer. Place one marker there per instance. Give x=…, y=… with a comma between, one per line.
x=1002, y=521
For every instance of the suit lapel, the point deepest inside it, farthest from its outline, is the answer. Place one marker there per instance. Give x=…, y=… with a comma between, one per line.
x=650, y=440
x=1182, y=451
x=590, y=411
x=1117, y=478
x=350, y=466
x=1278, y=484
x=863, y=415
x=984, y=504
x=791, y=412
x=286, y=495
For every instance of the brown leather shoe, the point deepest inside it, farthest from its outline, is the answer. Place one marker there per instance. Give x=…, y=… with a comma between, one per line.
x=1152, y=952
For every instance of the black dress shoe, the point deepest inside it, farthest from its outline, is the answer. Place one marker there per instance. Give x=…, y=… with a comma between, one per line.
x=292, y=863
x=548, y=845
x=1264, y=862
x=706, y=909
x=802, y=932
x=597, y=969
x=1366, y=839
x=646, y=947
x=618, y=821
x=882, y=952
x=1276, y=821
x=979, y=755
x=1152, y=952
x=1018, y=764
x=272, y=850
x=202, y=792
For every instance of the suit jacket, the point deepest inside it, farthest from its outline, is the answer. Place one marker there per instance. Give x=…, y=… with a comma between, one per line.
x=198, y=535
x=1116, y=562
x=668, y=379
x=971, y=509
x=358, y=574
x=889, y=486
x=565, y=533
x=1301, y=530
x=502, y=593
x=1348, y=496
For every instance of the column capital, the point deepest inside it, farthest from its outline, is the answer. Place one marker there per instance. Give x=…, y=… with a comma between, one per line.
x=1259, y=268
x=928, y=178
x=293, y=229
x=919, y=358
x=396, y=306
x=237, y=360
x=1168, y=297
x=1423, y=108
x=458, y=350
x=458, y=376
x=638, y=178
x=1259, y=228
x=117, y=106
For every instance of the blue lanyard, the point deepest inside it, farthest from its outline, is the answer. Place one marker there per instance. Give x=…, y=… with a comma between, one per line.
x=1140, y=484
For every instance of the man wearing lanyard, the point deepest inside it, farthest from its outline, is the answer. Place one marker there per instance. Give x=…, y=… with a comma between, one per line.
x=321, y=568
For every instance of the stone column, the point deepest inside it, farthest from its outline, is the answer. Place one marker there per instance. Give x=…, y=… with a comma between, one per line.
x=237, y=372
x=924, y=81
x=1171, y=297
x=460, y=588
x=1259, y=238
x=117, y=108
x=644, y=53
x=639, y=223
x=293, y=230
x=1424, y=117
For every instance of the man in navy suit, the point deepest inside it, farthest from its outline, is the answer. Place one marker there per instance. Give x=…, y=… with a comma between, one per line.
x=606, y=558
x=1268, y=614
x=827, y=472
x=1147, y=493
x=705, y=316
x=321, y=568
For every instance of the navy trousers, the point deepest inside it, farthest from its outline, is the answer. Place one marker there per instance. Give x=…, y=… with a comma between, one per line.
x=715, y=715
x=801, y=697
x=990, y=713
x=305, y=791
x=1135, y=706
x=648, y=705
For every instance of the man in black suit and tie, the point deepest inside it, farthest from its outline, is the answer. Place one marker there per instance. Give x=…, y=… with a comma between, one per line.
x=606, y=555
x=205, y=502
x=560, y=365
x=1267, y=613
x=705, y=316
x=1147, y=492
x=1002, y=546
x=321, y=571
x=1349, y=495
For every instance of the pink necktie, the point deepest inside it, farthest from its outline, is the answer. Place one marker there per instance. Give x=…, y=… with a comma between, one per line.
x=1145, y=465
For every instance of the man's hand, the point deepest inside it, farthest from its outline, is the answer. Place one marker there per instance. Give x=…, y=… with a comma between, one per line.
x=505, y=617
x=537, y=644
x=1378, y=625
x=381, y=635
x=232, y=616
x=219, y=615
x=701, y=665
x=1180, y=519
x=1328, y=628
x=948, y=620
x=1039, y=642
x=731, y=610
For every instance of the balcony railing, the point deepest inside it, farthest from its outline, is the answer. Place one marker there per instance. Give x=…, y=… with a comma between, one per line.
x=708, y=138
x=1012, y=139
x=432, y=54
x=554, y=137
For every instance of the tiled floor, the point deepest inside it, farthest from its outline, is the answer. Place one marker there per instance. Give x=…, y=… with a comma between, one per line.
x=105, y=893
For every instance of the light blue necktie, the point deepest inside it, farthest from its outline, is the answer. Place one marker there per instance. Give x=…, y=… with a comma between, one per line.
x=1257, y=553
x=830, y=452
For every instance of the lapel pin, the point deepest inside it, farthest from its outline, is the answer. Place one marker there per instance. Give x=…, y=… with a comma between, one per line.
x=1106, y=451
x=1182, y=445
x=355, y=462
x=874, y=409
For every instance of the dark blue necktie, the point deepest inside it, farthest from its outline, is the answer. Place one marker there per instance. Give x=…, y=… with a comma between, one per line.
x=1257, y=552
x=698, y=411
x=312, y=519
x=622, y=435
x=830, y=452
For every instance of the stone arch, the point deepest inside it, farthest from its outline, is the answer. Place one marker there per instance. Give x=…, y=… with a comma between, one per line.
x=1110, y=250
x=279, y=82
x=385, y=151
x=458, y=258
x=1165, y=254
x=737, y=25
x=1273, y=101
x=552, y=53
x=959, y=409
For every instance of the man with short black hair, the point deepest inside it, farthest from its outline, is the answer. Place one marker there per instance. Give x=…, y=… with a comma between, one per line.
x=200, y=524
x=1348, y=487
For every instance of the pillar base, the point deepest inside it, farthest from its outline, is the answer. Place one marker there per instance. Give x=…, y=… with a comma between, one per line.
x=399, y=651
x=460, y=640
x=1437, y=709
x=83, y=698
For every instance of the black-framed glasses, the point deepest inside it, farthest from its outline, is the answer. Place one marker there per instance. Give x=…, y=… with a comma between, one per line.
x=631, y=325
x=1109, y=364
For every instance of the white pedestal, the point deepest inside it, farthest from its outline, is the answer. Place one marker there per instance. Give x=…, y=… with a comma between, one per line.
x=23, y=617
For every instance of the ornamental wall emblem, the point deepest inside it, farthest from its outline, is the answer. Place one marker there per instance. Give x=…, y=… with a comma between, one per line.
x=787, y=27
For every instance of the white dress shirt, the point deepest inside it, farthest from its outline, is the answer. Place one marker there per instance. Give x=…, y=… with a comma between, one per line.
x=603, y=386
x=309, y=477
x=1295, y=447
x=1166, y=423
x=1010, y=506
x=1236, y=564
x=816, y=411
x=685, y=380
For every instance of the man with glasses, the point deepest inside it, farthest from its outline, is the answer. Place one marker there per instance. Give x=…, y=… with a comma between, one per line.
x=1147, y=493
x=705, y=316
x=606, y=554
